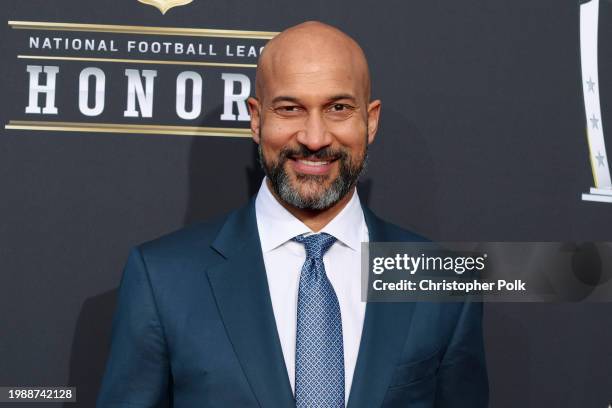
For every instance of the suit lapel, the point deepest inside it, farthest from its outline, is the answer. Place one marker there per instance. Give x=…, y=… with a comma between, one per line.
x=240, y=287
x=384, y=333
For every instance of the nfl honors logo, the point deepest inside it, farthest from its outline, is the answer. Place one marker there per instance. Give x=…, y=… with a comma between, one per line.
x=165, y=5
x=589, y=23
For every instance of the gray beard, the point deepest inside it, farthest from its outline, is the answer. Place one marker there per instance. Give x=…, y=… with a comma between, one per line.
x=340, y=186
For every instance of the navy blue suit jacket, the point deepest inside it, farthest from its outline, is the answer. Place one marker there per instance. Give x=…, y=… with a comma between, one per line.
x=194, y=327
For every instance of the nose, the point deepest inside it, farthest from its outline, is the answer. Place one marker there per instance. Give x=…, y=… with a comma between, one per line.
x=315, y=134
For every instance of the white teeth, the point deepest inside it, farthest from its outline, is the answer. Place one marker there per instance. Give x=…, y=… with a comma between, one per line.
x=313, y=163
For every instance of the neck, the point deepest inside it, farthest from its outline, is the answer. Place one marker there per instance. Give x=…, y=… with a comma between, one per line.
x=315, y=219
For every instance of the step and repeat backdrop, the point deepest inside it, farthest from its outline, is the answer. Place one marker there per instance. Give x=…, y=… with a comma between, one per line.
x=123, y=120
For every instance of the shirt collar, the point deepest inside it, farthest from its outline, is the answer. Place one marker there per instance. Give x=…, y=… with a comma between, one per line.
x=276, y=225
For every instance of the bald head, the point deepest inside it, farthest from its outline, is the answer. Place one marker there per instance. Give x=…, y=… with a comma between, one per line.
x=313, y=119
x=309, y=48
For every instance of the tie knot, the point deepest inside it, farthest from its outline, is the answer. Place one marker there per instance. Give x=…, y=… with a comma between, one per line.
x=316, y=244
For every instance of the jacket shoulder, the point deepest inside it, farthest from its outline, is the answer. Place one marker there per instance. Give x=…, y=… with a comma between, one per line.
x=185, y=243
x=401, y=234
x=381, y=230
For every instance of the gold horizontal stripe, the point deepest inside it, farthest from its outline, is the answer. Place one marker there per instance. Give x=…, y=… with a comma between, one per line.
x=129, y=29
x=137, y=61
x=127, y=125
x=127, y=128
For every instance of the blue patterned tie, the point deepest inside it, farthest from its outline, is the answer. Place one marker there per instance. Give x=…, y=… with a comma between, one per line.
x=319, y=355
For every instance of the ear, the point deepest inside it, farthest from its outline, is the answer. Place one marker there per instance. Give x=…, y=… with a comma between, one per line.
x=254, y=111
x=373, y=116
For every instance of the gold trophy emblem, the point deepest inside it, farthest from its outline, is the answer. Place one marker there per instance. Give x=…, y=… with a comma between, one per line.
x=165, y=5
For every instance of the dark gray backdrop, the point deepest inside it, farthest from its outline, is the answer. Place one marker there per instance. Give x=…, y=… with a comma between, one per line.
x=482, y=138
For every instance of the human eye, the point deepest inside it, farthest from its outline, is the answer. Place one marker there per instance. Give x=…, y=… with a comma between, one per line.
x=338, y=107
x=287, y=110
x=340, y=110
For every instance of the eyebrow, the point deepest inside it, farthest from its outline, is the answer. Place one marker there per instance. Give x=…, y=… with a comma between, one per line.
x=284, y=98
x=343, y=96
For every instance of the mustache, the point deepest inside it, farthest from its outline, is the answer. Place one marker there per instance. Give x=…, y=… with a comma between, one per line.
x=326, y=153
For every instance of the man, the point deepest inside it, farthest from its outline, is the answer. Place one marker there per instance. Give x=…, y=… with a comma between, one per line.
x=262, y=307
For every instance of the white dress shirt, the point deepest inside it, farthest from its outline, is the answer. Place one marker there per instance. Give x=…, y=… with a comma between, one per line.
x=283, y=259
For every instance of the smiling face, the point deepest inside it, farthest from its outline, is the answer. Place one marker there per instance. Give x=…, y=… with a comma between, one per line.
x=312, y=119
